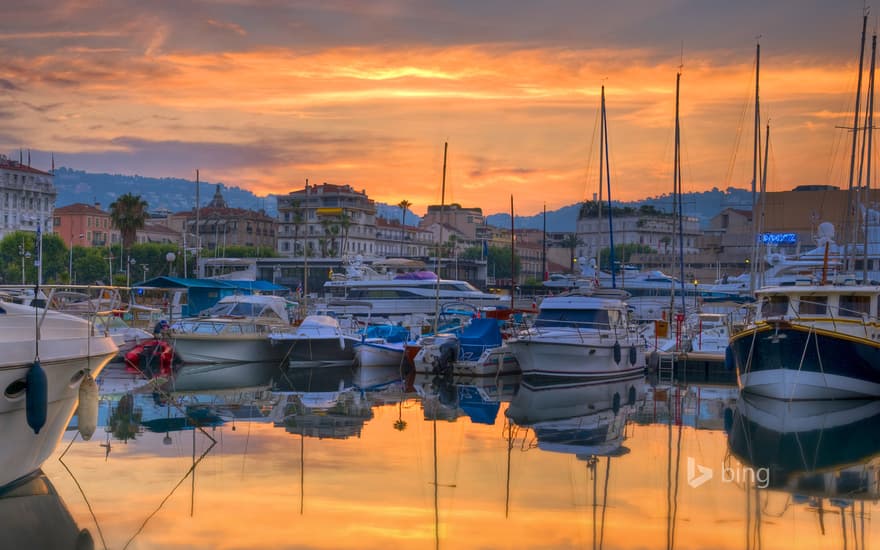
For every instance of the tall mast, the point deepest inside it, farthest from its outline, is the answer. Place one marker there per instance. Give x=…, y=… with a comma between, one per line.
x=855, y=129
x=598, y=250
x=512, y=256
x=676, y=170
x=603, y=130
x=198, y=231
x=760, y=243
x=870, y=153
x=544, y=247
x=753, y=263
x=440, y=240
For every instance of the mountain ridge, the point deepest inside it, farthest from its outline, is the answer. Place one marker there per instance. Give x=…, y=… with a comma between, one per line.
x=178, y=195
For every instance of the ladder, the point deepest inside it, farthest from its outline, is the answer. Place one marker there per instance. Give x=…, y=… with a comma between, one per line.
x=666, y=368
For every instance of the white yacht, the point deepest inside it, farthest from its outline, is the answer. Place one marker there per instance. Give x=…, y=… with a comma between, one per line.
x=235, y=330
x=68, y=350
x=650, y=292
x=581, y=334
x=399, y=294
x=319, y=341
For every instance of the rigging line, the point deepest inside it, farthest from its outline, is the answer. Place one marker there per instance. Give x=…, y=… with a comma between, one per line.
x=168, y=496
x=604, y=501
x=81, y=492
x=677, y=469
x=728, y=177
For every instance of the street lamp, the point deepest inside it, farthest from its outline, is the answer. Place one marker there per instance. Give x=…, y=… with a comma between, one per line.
x=146, y=268
x=24, y=254
x=70, y=262
x=131, y=262
x=170, y=257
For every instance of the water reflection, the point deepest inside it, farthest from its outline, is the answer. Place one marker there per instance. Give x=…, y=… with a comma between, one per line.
x=818, y=455
x=33, y=515
x=365, y=458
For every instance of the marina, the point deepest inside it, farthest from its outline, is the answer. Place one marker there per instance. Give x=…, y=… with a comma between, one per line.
x=293, y=282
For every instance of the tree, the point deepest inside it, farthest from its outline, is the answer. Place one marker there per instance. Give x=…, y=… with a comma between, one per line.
x=404, y=206
x=128, y=214
x=345, y=225
x=571, y=242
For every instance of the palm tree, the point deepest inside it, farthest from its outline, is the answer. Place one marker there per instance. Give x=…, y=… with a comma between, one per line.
x=404, y=206
x=571, y=242
x=345, y=225
x=128, y=213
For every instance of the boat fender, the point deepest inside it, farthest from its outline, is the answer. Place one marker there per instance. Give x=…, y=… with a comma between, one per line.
x=632, y=355
x=341, y=341
x=37, y=397
x=653, y=360
x=617, y=354
x=631, y=397
x=729, y=363
x=87, y=408
x=615, y=403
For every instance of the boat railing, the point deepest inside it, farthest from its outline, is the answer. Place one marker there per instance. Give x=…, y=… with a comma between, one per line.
x=584, y=330
x=84, y=301
x=826, y=314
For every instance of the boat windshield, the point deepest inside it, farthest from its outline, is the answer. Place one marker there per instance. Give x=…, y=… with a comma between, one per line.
x=576, y=318
x=234, y=309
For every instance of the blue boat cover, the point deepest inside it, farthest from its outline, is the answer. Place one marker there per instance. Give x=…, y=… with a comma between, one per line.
x=479, y=335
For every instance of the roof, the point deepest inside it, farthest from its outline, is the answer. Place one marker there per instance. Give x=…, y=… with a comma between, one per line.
x=8, y=164
x=180, y=282
x=80, y=208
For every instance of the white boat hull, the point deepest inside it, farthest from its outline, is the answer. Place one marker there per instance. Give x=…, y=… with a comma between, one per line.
x=199, y=348
x=792, y=384
x=559, y=358
x=373, y=354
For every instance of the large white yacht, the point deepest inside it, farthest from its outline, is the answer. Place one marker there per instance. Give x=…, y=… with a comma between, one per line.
x=584, y=334
x=407, y=293
x=68, y=349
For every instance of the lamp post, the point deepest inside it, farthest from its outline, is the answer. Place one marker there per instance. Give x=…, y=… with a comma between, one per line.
x=146, y=268
x=70, y=261
x=131, y=262
x=170, y=257
x=24, y=254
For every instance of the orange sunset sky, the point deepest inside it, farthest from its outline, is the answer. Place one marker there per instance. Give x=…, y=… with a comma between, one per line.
x=262, y=94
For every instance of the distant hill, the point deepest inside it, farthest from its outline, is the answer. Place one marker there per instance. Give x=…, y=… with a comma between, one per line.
x=703, y=205
x=175, y=194
x=178, y=195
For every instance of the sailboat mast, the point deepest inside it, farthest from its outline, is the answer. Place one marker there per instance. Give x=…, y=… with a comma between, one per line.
x=869, y=154
x=753, y=263
x=677, y=176
x=440, y=239
x=198, y=231
x=760, y=243
x=598, y=250
x=604, y=132
x=512, y=256
x=855, y=129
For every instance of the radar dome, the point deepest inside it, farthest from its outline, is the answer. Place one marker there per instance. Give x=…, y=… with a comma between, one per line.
x=826, y=230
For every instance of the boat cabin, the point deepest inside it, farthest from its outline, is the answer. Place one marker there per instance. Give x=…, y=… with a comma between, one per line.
x=818, y=302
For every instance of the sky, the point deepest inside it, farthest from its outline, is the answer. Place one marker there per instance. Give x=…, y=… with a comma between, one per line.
x=266, y=94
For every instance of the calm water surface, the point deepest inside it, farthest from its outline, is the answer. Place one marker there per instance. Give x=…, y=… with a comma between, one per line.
x=337, y=458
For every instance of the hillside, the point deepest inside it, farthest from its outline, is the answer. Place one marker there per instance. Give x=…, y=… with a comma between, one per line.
x=176, y=195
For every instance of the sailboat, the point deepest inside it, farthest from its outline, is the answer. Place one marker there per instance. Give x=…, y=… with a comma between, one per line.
x=815, y=340
x=584, y=333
